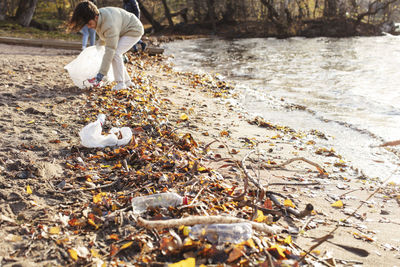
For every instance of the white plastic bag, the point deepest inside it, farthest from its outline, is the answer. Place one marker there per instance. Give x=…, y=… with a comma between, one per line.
x=87, y=65
x=91, y=135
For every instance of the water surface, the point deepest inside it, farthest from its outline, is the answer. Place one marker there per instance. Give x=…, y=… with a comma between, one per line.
x=350, y=87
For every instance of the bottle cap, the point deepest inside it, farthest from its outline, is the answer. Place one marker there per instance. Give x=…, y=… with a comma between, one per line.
x=185, y=201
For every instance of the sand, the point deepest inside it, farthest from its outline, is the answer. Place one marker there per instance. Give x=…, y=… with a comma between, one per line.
x=42, y=113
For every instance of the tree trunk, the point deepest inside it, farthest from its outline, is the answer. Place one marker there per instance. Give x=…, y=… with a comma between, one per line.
x=330, y=8
x=167, y=13
x=211, y=15
x=25, y=11
x=3, y=9
x=156, y=26
x=196, y=9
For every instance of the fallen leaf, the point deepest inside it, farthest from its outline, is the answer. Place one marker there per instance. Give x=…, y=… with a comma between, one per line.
x=189, y=262
x=126, y=245
x=28, y=189
x=183, y=117
x=288, y=203
x=73, y=254
x=235, y=254
x=54, y=230
x=337, y=204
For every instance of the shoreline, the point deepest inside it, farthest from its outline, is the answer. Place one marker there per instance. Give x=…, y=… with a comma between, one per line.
x=43, y=154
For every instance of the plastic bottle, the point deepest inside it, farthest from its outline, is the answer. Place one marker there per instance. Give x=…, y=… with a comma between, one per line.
x=222, y=233
x=140, y=204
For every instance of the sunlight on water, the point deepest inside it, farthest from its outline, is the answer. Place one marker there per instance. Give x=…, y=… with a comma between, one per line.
x=351, y=85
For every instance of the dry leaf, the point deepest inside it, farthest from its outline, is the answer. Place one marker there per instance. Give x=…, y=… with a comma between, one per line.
x=189, y=262
x=73, y=254
x=337, y=204
x=288, y=203
x=28, y=189
x=235, y=254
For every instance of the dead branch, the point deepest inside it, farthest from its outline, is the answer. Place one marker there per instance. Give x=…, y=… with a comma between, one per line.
x=193, y=220
x=248, y=175
x=392, y=143
x=319, y=168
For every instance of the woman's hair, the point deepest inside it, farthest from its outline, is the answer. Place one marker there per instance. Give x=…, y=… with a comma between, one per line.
x=83, y=12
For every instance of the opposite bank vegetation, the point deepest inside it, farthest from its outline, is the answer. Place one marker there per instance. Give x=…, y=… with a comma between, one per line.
x=247, y=18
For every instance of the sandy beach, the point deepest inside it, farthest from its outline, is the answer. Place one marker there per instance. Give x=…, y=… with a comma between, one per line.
x=50, y=184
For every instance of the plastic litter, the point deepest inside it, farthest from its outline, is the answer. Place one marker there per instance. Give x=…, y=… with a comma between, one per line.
x=86, y=66
x=140, y=204
x=91, y=134
x=222, y=233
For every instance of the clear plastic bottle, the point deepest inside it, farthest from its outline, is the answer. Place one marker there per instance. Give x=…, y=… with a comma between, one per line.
x=221, y=233
x=140, y=204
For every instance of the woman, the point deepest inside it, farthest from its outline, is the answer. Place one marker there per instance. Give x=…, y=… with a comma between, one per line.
x=117, y=29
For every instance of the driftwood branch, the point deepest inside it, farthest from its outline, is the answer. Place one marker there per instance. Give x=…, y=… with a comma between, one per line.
x=319, y=168
x=193, y=220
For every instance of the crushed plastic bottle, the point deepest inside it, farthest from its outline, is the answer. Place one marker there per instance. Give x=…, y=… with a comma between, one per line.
x=221, y=233
x=140, y=204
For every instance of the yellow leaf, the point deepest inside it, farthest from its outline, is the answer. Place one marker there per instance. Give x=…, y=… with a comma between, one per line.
x=189, y=262
x=184, y=117
x=278, y=249
x=289, y=203
x=54, y=230
x=126, y=245
x=73, y=254
x=28, y=189
x=186, y=231
x=91, y=222
x=260, y=216
x=99, y=197
x=201, y=169
x=30, y=122
x=316, y=252
x=94, y=253
x=337, y=204
x=288, y=240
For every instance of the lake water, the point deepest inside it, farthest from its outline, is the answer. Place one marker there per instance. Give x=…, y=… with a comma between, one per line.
x=350, y=87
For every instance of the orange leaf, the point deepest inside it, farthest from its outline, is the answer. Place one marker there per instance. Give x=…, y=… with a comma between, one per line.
x=113, y=250
x=235, y=254
x=113, y=236
x=268, y=204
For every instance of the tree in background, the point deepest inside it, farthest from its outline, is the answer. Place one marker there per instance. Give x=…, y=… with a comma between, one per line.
x=247, y=17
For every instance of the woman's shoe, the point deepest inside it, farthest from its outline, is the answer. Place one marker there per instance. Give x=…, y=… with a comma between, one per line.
x=119, y=86
x=129, y=84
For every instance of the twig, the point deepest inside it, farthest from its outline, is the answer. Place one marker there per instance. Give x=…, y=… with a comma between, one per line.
x=296, y=184
x=319, y=168
x=248, y=175
x=193, y=220
x=342, y=195
x=89, y=189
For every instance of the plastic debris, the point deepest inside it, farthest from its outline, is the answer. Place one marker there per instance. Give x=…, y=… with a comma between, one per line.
x=169, y=199
x=91, y=135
